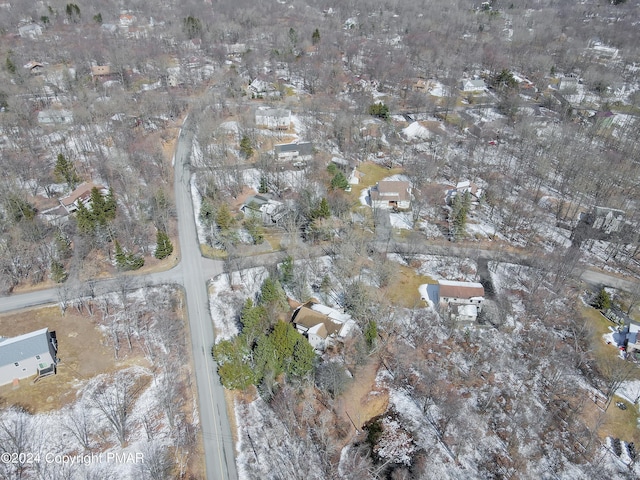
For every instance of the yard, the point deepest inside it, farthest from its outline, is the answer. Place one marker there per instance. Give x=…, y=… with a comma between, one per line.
x=82, y=351
x=372, y=174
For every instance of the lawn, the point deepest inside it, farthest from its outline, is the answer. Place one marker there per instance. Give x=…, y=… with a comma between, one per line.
x=373, y=173
x=82, y=352
x=403, y=290
x=617, y=423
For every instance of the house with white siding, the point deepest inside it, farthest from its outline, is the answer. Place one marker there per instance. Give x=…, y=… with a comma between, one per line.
x=27, y=355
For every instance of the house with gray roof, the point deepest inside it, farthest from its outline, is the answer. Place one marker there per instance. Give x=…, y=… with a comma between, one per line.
x=293, y=151
x=28, y=355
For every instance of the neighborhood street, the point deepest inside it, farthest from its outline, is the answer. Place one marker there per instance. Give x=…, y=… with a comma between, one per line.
x=214, y=421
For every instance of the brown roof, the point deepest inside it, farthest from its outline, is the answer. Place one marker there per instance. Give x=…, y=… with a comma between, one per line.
x=460, y=289
x=98, y=70
x=83, y=192
x=309, y=318
x=393, y=190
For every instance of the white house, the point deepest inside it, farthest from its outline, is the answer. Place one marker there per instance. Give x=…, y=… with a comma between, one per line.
x=391, y=194
x=461, y=300
x=468, y=85
x=462, y=188
x=27, y=355
x=321, y=324
x=273, y=118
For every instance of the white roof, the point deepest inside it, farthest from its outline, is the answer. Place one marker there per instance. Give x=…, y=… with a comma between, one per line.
x=334, y=315
x=346, y=328
x=468, y=310
x=453, y=283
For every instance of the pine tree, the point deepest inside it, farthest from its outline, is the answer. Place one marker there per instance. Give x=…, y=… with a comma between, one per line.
x=245, y=147
x=164, y=247
x=58, y=273
x=315, y=37
x=65, y=171
x=371, y=334
x=263, y=188
x=286, y=270
x=224, y=218
x=322, y=211
x=339, y=181
x=303, y=357
x=84, y=220
x=272, y=294
x=235, y=370
x=120, y=256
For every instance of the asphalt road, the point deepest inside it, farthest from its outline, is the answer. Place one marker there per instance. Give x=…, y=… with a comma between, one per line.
x=214, y=421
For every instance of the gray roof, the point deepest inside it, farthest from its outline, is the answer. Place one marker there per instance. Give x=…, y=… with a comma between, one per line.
x=25, y=346
x=304, y=148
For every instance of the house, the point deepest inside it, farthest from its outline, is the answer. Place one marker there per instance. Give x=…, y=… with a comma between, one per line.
x=321, y=325
x=31, y=30
x=259, y=88
x=627, y=337
x=568, y=84
x=461, y=300
x=468, y=85
x=81, y=194
x=393, y=194
x=55, y=117
x=293, y=151
x=27, y=355
x=463, y=187
x=100, y=70
x=273, y=118
x=34, y=67
x=270, y=211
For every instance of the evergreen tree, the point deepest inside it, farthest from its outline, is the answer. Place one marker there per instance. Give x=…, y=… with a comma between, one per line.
x=58, y=273
x=371, y=334
x=65, y=171
x=379, y=110
x=224, y=219
x=18, y=209
x=234, y=368
x=11, y=67
x=283, y=339
x=245, y=147
x=98, y=18
x=603, y=300
x=127, y=261
x=303, y=357
x=322, y=210
x=315, y=37
x=254, y=227
x=164, y=247
x=339, y=181
x=272, y=294
x=84, y=220
x=63, y=246
x=286, y=270
x=263, y=188
x=192, y=27
x=207, y=212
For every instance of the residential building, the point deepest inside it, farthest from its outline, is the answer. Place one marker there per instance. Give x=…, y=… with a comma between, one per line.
x=392, y=194
x=293, y=151
x=321, y=325
x=27, y=355
x=462, y=301
x=269, y=210
x=273, y=118
x=468, y=85
x=55, y=117
x=463, y=187
x=81, y=194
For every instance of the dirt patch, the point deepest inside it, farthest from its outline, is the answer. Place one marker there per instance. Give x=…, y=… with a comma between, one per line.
x=82, y=351
x=363, y=400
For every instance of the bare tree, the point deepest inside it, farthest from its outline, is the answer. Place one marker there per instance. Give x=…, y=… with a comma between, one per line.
x=115, y=400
